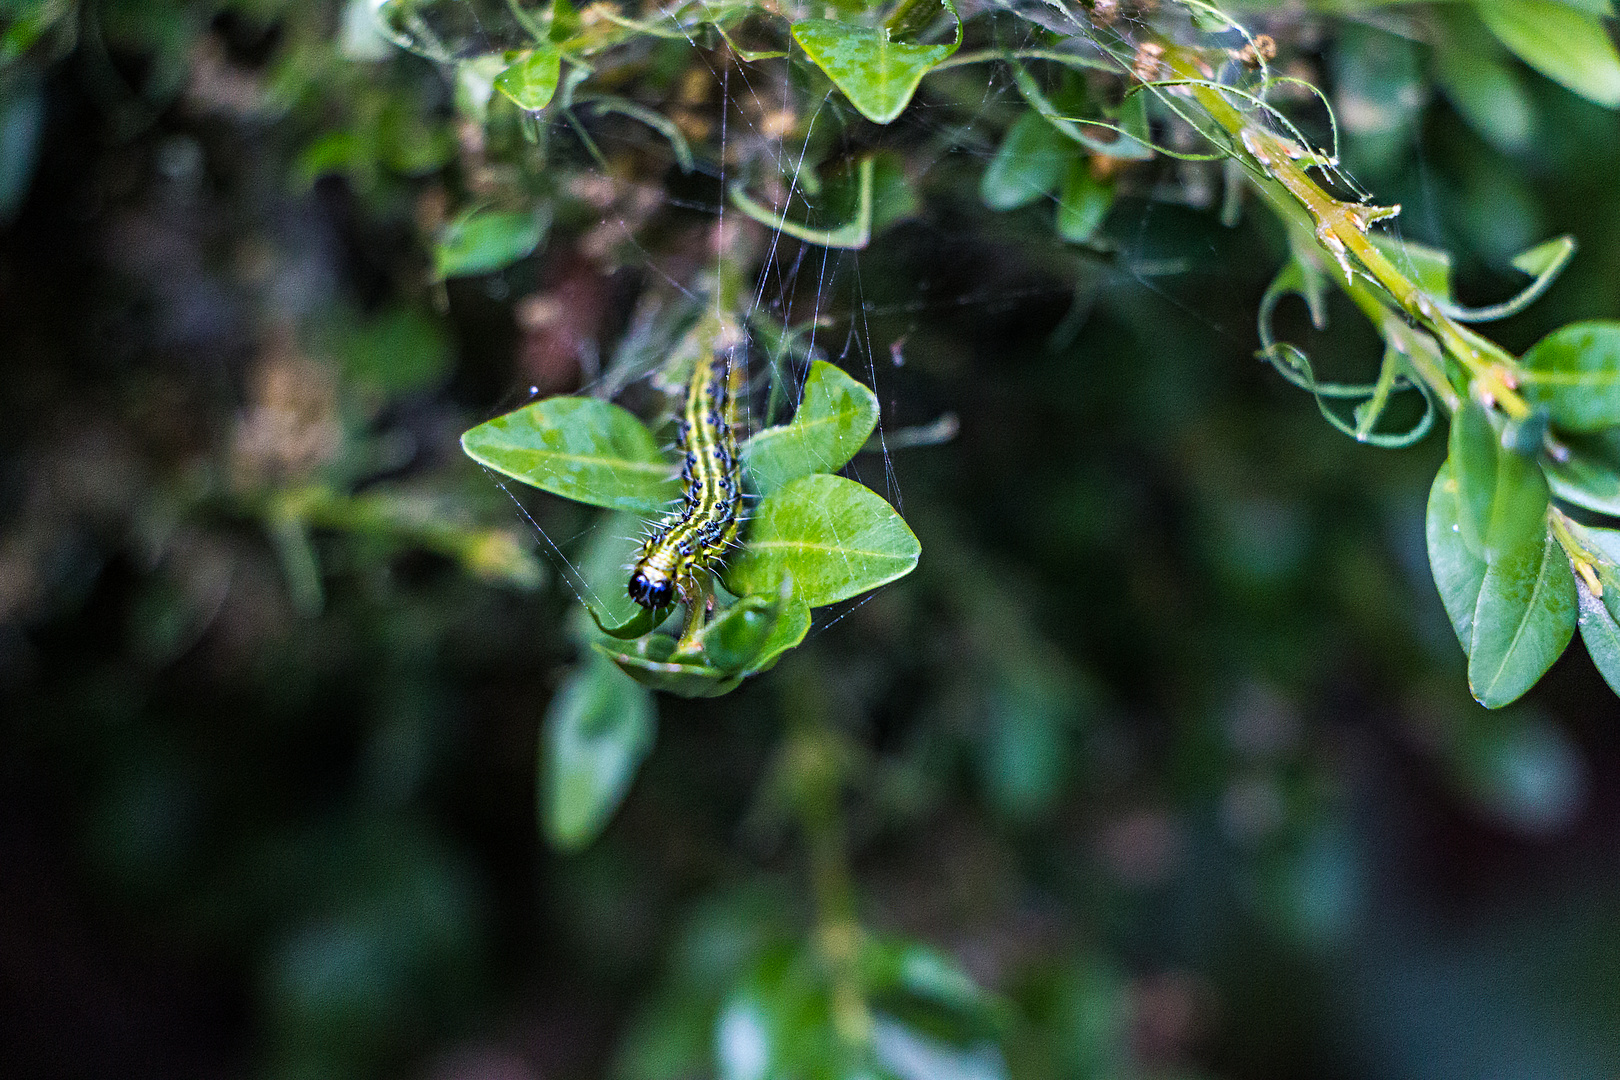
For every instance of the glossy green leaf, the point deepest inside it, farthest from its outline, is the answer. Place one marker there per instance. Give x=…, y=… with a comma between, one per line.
x=530, y=81
x=650, y=662
x=754, y=632
x=836, y=416
x=598, y=729
x=1575, y=372
x=580, y=448
x=1544, y=262
x=598, y=574
x=483, y=241
x=1603, y=545
x=1084, y=203
x=1585, y=480
x=877, y=74
x=1029, y=164
x=777, y=1023
x=732, y=640
x=1502, y=495
x=1458, y=570
x=791, y=627
x=642, y=621
x=835, y=539
x=1601, y=634
x=1565, y=45
x=854, y=234
x=1525, y=618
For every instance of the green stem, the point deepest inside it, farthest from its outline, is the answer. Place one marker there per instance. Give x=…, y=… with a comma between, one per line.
x=1340, y=229
x=814, y=762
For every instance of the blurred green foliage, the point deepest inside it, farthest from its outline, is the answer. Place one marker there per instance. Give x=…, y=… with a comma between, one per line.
x=1161, y=764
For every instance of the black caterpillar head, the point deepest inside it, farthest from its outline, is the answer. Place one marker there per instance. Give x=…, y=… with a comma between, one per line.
x=651, y=588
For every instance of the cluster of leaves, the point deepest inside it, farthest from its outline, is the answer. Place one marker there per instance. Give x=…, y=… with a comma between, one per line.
x=523, y=143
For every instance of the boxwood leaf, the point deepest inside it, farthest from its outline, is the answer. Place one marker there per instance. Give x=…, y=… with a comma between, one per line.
x=598, y=729
x=1524, y=619
x=484, y=241
x=1604, y=546
x=1028, y=165
x=1575, y=372
x=581, y=448
x=876, y=73
x=1458, y=571
x=1084, y=203
x=832, y=536
x=688, y=679
x=1563, y=44
x=737, y=635
x=530, y=81
x=1502, y=495
x=1473, y=450
x=791, y=627
x=1601, y=634
x=1585, y=481
x=836, y=416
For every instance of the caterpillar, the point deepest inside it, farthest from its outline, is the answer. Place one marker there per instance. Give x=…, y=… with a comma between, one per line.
x=697, y=535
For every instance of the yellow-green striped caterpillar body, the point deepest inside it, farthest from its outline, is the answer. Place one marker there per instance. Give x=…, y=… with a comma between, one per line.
x=697, y=535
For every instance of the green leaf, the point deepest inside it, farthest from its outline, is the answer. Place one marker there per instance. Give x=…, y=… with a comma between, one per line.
x=1029, y=164
x=1575, y=372
x=777, y=1023
x=483, y=241
x=1544, y=262
x=1458, y=571
x=580, y=448
x=791, y=627
x=907, y=1053
x=642, y=621
x=835, y=417
x=1601, y=633
x=855, y=233
x=735, y=636
x=530, y=81
x=1479, y=78
x=475, y=84
x=1524, y=620
x=652, y=662
x=835, y=539
x=1084, y=203
x=895, y=966
x=1502, y=495
x=1565, y=45
x=1586, y=481
x=1603, y=545
x=1429, y=267
x=877, y=74
x=598, y=729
